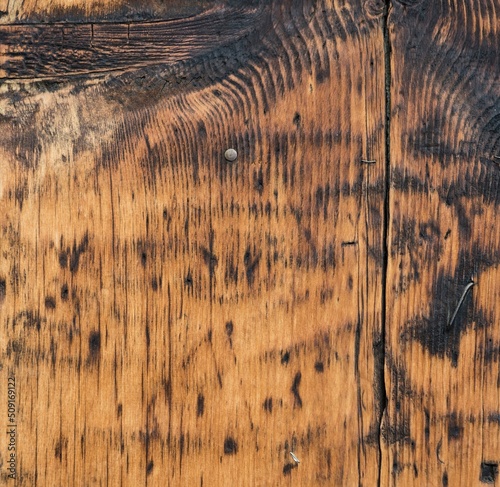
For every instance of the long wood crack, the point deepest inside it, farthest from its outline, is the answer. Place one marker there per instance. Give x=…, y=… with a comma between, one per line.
x=381, y=356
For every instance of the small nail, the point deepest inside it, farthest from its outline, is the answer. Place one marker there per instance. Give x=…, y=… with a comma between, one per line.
x=460, y=302
x=368, y=161
x=294, y=457
x=230, y=155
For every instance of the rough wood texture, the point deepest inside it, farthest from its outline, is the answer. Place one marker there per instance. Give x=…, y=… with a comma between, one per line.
x=61, y=50
x=172, y=318
x=29, y=11
x=443, y=379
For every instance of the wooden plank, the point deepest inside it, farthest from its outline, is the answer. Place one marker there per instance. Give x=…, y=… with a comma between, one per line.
x=63, y=50
x=171, y=318
x=33, y=11
x=443, y=376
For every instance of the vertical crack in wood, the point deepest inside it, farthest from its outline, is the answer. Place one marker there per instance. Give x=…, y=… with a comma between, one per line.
x=381, y=355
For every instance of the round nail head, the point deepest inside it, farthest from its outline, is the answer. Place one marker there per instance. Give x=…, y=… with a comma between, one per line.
x=230, y=155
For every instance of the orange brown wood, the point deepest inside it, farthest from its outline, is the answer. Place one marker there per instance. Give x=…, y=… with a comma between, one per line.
x=169, y=317
x=442, y=374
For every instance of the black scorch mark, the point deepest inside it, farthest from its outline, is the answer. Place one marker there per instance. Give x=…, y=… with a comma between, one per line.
x=436, y=331
x=489, y=471
x=77, y=250
x=94, y=346
x=3, y=290
x=285, y=357
x=200, y=405
x=229, y=332
x=230, y=446
x=295, y=390
x=268, y=405
x=251, y=265
x=210, y=259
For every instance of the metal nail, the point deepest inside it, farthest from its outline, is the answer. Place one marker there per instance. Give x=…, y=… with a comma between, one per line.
x=466, y=290
x=368, y=161
x=294, y=457
x=230, y=155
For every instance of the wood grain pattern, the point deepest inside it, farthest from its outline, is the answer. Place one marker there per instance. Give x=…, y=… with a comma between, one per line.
x=443, y=380
x=41, y=51
x=172, y=318
x=48, y=11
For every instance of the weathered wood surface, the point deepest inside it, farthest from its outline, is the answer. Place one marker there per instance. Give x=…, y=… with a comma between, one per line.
x=41, y=51
x=443, y=379
x=174, y=319
x=80, y=11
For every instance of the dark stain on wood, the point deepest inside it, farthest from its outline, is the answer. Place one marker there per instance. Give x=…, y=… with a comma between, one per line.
x=231, y=272
x=58, y=451
x=287, y=469
x=200, y=405
x=258, y=181
x=63, y=258
x=20, y=194
x=50, y=302
x=142, y=249
x=76, y=253
x=3, y=290
x=210, y=259
x=148, y=336
x=433, y=331
x=444, y=479
x=251, y=265
x=53, y=352
x=295, y=390
x=285, y=357
x=397, y=432
x=427, y=427
x=455, y=427
x=188, y=280
x=230, y=446
x=64, y=292
x=488, y=472
x=229, y=332
x=268, y=404
x=94, y=346
x=297, y=119
x=149, y=468
x=408, y=183
x=397, y=467
x=319, y=367
x=490, y=351
x=494, y=418
x=15, y=350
